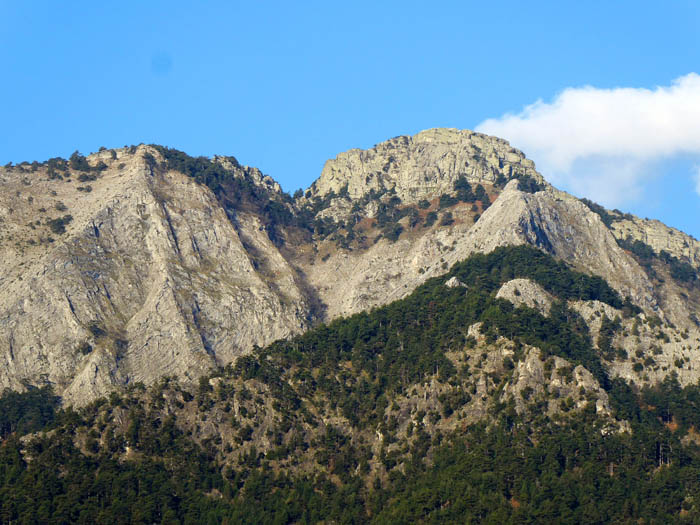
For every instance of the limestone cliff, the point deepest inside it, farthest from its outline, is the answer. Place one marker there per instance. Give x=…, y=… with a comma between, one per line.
x=659, y=236
x=145, y=277
x=129, y=267
x=423, y=166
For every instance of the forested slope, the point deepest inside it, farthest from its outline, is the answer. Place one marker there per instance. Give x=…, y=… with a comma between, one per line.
x=450, y=405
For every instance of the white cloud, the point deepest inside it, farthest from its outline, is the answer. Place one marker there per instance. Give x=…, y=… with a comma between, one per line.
x=604, y=143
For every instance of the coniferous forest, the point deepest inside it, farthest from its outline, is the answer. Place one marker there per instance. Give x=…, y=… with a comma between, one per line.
x=396, y=415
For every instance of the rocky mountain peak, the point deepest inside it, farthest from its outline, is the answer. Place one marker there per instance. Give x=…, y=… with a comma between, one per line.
x=121, y=268
x=424, y=165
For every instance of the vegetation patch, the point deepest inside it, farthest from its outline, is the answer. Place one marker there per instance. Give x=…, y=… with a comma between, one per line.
x=680, y=271
x=234, y=191
x=58, y=225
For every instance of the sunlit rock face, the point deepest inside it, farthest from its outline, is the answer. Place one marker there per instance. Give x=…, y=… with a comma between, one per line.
x=134, y=273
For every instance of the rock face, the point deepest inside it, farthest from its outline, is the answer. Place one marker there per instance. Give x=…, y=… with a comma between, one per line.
x=150, y=278
x=646, y=349
x=660, y=237
x=526, y=292
x=550, y=219
x=136, y=272
x=423, y=166
x=453, y=282
x=531, y=378
x=563, y=226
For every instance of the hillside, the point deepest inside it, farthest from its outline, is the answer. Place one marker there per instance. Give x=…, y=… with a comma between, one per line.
x=141, y=262
x=430, y=333
x=450, y=405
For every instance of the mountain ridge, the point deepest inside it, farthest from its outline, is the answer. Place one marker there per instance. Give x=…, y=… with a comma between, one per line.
x=240, y=263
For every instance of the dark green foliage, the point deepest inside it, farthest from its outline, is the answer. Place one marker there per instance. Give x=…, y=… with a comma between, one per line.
x=669, y=402
x=413, y=218
x=571, y=470
x=462, y=184
x=55, y=165
x=604, y=215
x=234, y=192
x=608, y=329
x=58, y=225
x=623, y=399
x=78, y=162
x=563, y=333
x=405, y=342
x=481, y=195
x=201, y=169
x=324, y=226
x=629, y=309
x=527, y=262
x=423, y=204
x=466, y=194
x=680, y=271
x=574, y=474
x=529, y=185
x=446, y=201
x=643, y=251
x=103, y=490
x=26, y=412
x=446, y=219
x=85, y=348
x=501, y=180
x=430, y=219
x=150, y=160
x=389, y=212
x=96, y=329
x=392, y=231
x=277, y=213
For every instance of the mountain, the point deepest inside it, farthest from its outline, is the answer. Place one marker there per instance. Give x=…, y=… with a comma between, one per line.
x=431, y=332
x=137, y=263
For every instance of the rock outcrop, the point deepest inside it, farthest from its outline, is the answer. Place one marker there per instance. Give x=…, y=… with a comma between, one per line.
x=524, y=292
x=660, y=237
x=563, y=226
x=423, y=166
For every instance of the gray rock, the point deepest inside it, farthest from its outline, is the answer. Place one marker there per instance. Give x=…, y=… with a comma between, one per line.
x=453, y=282
x=153, y=278
x=526, y=292
x=424, y=165
x=150, y=278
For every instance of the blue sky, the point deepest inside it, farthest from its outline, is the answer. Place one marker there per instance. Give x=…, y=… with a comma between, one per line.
x=284, y=86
